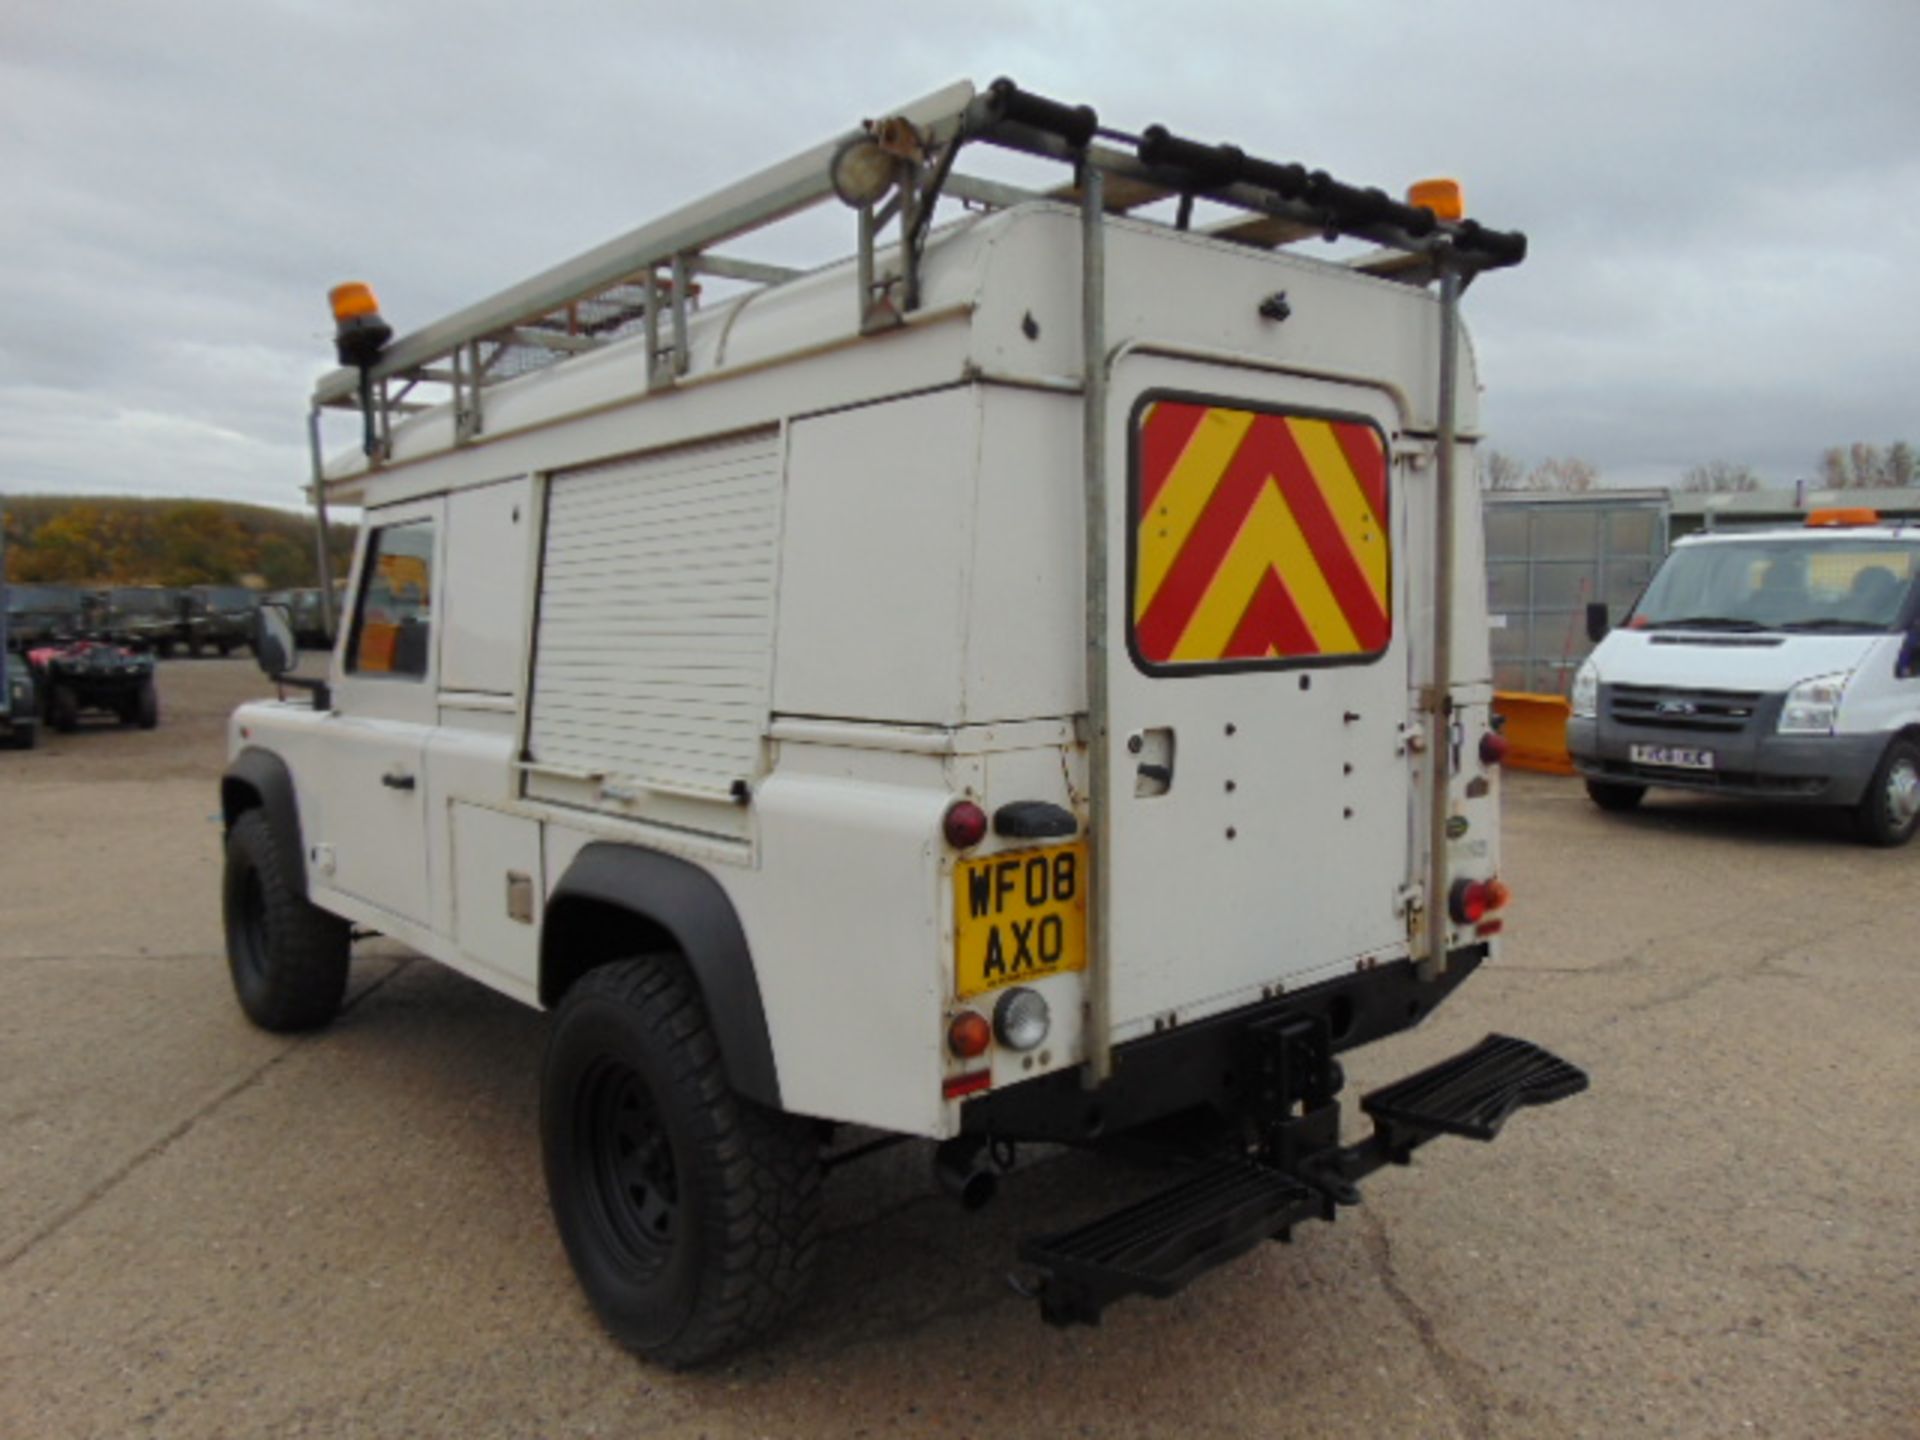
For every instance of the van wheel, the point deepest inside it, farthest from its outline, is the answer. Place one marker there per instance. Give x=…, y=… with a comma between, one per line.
x=1615, y=797
x=691, y=1215
x=1889, y=811
x=63, y=709
x=288, y=957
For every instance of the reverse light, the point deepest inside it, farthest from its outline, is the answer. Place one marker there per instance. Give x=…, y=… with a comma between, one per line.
x=964, y=825
x=1584, y=700
x=969, y=1034
x=1472, y=901
x=1813, y=706
x=1443, y=195
x=1021, y=1019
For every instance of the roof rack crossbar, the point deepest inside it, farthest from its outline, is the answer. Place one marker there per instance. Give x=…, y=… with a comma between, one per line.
x=644, y=281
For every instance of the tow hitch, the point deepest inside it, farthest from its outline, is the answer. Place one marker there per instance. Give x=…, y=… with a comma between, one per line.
x=1295, y=1168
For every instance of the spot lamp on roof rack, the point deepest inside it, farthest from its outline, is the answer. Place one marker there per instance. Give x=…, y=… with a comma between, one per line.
x=863, y=172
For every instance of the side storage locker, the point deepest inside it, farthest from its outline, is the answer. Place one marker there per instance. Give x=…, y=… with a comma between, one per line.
x=653, y=647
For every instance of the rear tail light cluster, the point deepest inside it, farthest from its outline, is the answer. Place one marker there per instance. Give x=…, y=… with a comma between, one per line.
x=1473, y=901
x=1021, y=1022
x=1494, y=747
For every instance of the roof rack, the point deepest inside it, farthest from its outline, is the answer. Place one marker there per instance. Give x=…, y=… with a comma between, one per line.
x=646, y=280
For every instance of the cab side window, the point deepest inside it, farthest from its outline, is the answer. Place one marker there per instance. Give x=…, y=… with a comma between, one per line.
x=393, y=623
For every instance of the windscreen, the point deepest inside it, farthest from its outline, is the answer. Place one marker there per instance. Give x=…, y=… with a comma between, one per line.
x=1781, y=584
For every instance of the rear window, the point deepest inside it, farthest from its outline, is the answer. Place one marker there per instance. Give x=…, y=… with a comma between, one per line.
x=1260, y=537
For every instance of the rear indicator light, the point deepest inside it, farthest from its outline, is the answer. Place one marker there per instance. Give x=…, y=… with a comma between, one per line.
x=1494, y=748
x=954, y=1086
x=969, y=1034
x=1471, y=901
x=965, y=825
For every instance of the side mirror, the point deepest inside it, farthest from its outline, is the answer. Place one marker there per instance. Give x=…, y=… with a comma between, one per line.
x=273, y=644
x=1597, y=622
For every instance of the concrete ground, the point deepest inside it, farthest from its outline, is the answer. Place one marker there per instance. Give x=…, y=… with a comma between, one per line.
x=210, y=1231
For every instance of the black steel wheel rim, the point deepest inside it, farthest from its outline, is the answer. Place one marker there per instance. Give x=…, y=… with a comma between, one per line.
x=626, y=1156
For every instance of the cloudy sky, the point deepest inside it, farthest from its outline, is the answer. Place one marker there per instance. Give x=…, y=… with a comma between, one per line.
x=1723, y=195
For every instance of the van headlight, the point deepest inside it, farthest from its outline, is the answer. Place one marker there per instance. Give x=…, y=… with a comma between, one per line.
x=1813, y=706
x=1586, y=691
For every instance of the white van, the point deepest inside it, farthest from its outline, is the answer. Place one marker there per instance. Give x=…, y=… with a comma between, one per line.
x=1025, y=682
x=1776, y=664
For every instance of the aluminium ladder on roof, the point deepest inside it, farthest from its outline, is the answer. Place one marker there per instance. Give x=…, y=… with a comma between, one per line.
x=644, y=281
x=619, y=287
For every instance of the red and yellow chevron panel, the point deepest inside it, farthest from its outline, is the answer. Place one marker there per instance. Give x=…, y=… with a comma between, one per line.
x=1258, y=536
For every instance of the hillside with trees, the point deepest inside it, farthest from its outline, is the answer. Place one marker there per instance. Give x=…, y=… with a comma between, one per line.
x=115, y=540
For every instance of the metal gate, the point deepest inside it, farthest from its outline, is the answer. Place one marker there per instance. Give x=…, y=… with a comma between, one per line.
x=1548, y=557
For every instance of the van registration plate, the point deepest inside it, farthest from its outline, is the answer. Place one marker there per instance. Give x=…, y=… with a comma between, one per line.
x=1674, y=757
x=1019, y=916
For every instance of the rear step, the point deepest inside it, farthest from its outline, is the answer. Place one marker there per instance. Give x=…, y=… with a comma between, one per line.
x=1475, y=1092
x=1220, y=1209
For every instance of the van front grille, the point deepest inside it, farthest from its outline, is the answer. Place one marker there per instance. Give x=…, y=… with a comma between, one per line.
x=1717, y=712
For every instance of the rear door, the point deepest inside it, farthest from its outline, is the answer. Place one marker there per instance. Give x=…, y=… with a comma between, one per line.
x=1260, y=791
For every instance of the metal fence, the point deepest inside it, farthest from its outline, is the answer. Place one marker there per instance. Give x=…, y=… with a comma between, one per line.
x=1548, y=556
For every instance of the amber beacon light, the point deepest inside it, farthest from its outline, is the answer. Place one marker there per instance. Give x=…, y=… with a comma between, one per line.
x=1442, y=195
x=358, y=338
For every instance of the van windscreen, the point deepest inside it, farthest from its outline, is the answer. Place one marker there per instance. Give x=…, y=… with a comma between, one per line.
x=1781, y=584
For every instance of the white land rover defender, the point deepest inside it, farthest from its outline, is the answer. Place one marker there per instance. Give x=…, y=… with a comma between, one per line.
x=1026, y=681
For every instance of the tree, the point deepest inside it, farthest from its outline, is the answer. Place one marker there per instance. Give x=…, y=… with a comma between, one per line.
x=1860, y=466
x=1563, y=473
x=1719, y=475
x=1501, y=471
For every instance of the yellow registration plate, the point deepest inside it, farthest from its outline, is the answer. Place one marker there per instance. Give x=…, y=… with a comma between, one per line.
x=1018, y=917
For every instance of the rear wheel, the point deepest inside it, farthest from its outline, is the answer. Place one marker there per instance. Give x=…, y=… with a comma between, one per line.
x=691, y=1215
x=26, y=734
x=63, y=709
x=1888, y=813
x=1610, y=795
x=288, y=957
x=146, y=705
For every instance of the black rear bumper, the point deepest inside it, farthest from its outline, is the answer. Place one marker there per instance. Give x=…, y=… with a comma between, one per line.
x=1212, y=1063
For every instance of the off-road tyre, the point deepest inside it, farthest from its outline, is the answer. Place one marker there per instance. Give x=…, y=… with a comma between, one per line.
x=288, y=958
x=1613, y=796
x=1889, y=812
x=146, y=705
x=63, y=709
x=691, y=1215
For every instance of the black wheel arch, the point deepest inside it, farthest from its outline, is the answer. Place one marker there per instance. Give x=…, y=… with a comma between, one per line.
x=260, y=780
x=616, y=901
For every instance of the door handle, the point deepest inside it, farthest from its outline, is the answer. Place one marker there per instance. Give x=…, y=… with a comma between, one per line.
x=397, y=780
